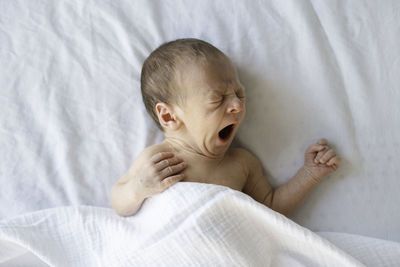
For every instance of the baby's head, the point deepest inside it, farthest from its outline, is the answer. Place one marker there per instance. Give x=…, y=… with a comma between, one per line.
x=192, y=91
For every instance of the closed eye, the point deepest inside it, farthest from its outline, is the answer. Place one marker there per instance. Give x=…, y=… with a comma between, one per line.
x=240, y=94
x=218, y=100
x=223, y=97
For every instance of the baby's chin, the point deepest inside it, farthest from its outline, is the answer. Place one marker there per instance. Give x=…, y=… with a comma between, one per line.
x=220, y=150
x=215, y=151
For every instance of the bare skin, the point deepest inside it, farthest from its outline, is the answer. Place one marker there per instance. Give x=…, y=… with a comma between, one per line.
x=194, y=151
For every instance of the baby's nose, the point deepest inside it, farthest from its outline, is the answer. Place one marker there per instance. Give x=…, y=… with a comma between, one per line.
x=235, y=106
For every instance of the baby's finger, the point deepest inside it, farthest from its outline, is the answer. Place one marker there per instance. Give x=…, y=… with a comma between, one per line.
x=335, y=161
x=320, y=154
x=160, y=156
x=167, y=182
x=315, y=148
x=174, y=169
x=322, y=141
x=328, y=155
x=167, y=162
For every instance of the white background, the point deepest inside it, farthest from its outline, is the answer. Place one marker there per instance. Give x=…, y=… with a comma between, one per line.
x=72, y=118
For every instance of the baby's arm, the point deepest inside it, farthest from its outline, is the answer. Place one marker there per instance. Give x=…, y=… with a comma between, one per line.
x=288, y=197
x=319, y=161
x=150, y=174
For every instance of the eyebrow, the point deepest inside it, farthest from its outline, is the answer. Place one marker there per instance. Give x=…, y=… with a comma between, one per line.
x=213, y=91
x=220, y=91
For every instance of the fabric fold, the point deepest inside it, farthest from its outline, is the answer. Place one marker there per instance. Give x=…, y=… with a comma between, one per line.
x=188, y=224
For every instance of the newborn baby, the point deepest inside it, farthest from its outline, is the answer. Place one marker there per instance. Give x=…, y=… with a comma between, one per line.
x=193, y=92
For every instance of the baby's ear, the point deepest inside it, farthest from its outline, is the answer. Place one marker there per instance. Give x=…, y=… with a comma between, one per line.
x=167, y=116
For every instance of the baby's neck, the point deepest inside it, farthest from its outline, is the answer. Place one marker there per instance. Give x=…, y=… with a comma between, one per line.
x=186, y=150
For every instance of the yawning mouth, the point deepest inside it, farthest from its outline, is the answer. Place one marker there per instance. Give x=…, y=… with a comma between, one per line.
x=225, y=133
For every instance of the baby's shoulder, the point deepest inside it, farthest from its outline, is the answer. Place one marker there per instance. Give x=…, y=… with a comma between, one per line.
x=249, y=162
x=152, y=150
x=243, y=156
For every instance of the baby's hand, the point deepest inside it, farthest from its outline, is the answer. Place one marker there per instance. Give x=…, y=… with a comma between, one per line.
x=157, y=173
x=320, y=160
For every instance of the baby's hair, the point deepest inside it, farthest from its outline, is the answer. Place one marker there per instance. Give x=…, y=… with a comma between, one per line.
x=159, y=69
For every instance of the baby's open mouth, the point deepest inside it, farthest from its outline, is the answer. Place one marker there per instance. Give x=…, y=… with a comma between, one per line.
x=225, y=133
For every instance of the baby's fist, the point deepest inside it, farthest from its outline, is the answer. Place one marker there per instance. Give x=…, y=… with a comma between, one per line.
x=320, y=160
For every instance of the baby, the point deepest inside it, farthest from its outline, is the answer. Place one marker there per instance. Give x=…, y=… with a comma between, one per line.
x=193, y=92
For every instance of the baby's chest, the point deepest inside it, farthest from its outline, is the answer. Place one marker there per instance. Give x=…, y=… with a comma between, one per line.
x=230, y=174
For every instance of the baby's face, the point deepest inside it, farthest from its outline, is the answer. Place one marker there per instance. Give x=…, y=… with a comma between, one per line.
x=214, y=105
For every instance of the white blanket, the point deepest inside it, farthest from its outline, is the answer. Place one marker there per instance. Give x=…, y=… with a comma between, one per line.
x=190, y=224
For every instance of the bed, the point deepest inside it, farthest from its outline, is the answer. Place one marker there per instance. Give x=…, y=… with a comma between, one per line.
x=72, y=119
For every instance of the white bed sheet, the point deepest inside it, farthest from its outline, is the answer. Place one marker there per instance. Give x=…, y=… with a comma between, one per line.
x=72, y=119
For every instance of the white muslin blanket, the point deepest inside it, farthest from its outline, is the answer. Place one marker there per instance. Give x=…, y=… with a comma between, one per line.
x=189, y=224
